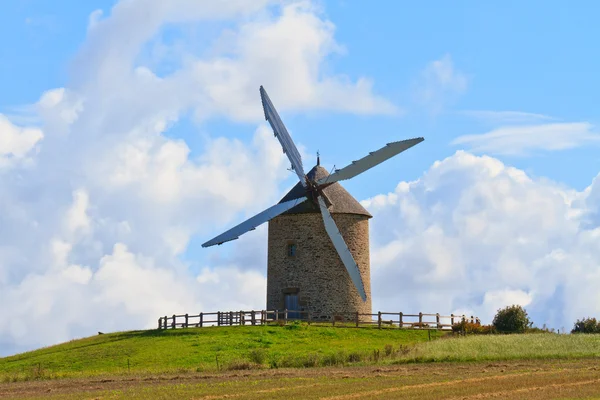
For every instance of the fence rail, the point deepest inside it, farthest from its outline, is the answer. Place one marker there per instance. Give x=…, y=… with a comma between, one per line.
x=381, y=319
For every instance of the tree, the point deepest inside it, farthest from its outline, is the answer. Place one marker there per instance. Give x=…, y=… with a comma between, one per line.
x=512, y=319
x=586, y=325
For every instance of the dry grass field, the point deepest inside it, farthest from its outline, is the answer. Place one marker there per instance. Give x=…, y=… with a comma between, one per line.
x=515, y=379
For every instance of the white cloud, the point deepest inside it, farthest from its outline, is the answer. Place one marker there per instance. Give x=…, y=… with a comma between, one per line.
x=474, y=234
x=16, y=143
x=440, y=84
x=506, y=117
x=284, y=55
x=96, y=223
x=525, y=139
x=497, y=299
x=77, y=218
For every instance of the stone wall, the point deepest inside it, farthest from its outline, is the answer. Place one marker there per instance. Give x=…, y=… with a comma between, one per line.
x=316, y=272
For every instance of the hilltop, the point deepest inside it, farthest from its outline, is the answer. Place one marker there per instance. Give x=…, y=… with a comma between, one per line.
x=212, y=348
x=252, y=347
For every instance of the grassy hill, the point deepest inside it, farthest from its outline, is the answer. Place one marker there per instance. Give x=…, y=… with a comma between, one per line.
x=246, y=347
x=202, y=349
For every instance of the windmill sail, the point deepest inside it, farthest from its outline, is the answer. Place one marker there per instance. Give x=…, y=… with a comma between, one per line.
x=253, y=222
x=342, y=249
x=289, y=148
x=374, y=158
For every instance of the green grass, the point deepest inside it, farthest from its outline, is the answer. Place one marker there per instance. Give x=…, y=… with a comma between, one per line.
x=234, y=348
x=508, y=347
x=205, y=349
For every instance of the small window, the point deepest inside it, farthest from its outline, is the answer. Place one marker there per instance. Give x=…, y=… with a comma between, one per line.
x=291, y=249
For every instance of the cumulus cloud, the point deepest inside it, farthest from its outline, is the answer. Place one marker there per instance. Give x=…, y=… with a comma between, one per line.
x=16, y=143
x=525, y=139
x=99, y=200
x=440, y=84
x=472, y=235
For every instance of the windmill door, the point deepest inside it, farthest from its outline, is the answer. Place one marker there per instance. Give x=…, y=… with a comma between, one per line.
x=291, y=304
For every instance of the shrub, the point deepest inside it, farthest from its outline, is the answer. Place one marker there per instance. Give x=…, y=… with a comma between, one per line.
x=512, y=319
x=543, y=329
x=467, y=327
x=258, y=356
x=389, y=349
x=294, y=325
x=334, y=359
x=586, y=325
x=354, y=357
x=238, y=365
x=311, y=360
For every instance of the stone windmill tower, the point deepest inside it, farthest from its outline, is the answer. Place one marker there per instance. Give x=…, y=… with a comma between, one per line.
x=305, y=271
x=318, y=259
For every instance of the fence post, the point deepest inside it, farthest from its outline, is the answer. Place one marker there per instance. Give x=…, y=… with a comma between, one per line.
x=174, y=325
x=276, y=315
x=285, y=316
x=218, y=318
x=186, y=320
x=357, y=319
x=309, y=317
x=400, y=323
x=437, y=321
x=333, y=320
x=201, y=318
x=165, y=321
x=421, y=320
x=253, y=317
x=230, y=317
x=452, y=319
x=242, y=321
x=160, y=323
x=379, y=319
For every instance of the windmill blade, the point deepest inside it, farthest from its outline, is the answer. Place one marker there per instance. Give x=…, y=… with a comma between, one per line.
x=342, y=249
x=289, y=148
x=374, y=158
x=253, y=222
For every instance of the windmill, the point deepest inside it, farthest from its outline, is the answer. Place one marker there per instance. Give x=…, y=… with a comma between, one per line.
x=313, y=190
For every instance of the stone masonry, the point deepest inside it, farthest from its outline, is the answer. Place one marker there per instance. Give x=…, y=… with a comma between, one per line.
x=316, y=272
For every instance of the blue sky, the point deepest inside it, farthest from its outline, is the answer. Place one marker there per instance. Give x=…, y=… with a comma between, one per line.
x=140, y=127
x=534, y=57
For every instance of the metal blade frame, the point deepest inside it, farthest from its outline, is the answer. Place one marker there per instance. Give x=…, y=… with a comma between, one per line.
x=372, y=159
x=253, y=222
x=281, y=133
x=342, y=249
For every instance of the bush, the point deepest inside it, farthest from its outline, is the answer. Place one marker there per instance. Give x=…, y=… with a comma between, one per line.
x=354, y=357
x=389, y=349
x=258, y=356
x=294, y=325
x=467, y=327
x=586, y=325
x=334, y=359
x=512, y=319
x=238, y=365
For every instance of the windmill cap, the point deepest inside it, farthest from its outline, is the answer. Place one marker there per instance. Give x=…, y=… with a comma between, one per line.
x=342, y=202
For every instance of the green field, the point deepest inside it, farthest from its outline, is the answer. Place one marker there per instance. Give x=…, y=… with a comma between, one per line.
x=273, y=362
x=209, y=349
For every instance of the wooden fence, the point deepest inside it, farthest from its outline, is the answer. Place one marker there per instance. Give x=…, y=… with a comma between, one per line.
x=265, y=317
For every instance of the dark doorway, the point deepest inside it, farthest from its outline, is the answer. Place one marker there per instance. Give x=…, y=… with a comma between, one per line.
x=291, y=304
